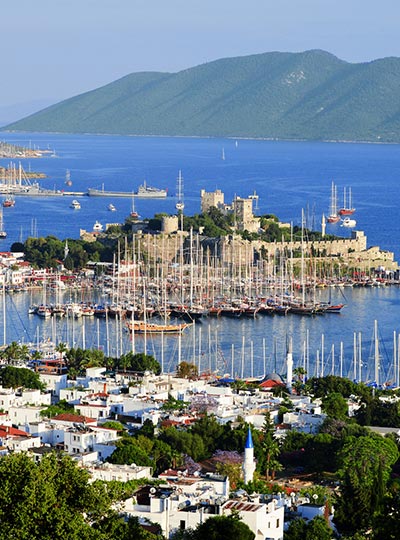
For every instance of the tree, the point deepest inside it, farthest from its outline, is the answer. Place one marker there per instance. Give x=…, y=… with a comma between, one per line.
x=316, y=529
x=186, y=370
x=53, y=410
x=270, y=448
x=335, y=405
x=387, y=523
x=12, y=352
x=366, y=466
x=221, y=528
x=140, y=362
x=14, y=377
x=300, y=373
x=173, y=404
x=128, y=451
x=51, y=500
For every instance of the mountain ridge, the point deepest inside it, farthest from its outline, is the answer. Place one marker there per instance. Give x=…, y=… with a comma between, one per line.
x=311, y=95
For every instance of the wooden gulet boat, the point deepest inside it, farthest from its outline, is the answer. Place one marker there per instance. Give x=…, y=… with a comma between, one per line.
x=140, y=327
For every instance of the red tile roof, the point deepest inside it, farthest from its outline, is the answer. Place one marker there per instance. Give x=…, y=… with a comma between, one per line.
x=74, y=418
x=9, y=431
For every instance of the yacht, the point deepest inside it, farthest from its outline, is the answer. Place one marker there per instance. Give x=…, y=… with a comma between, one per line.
x=97, y=227
x=347, y=222
x=76, y=205
x=111, y=207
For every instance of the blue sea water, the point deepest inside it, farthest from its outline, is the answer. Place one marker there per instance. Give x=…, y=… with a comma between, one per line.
x=287, y=176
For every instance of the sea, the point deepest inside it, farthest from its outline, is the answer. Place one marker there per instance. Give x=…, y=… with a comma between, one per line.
x=290, y=178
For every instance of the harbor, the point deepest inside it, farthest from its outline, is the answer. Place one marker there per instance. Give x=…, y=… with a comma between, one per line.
x=226, y=334
x=243, y=347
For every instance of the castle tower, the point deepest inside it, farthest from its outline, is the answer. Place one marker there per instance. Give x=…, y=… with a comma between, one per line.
x=249, y=465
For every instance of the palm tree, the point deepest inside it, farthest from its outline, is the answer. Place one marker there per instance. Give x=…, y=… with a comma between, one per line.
x=12, y=352
x=62, y=348
x=271, y=448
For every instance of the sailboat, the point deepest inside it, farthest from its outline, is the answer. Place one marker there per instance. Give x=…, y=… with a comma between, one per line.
x=68, y=181
x=347, y=210
x=133, y=214
x=223, y=155
x=3, y=233
x=333, y=214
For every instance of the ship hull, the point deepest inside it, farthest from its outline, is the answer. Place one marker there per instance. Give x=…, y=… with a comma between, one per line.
x=156, y=194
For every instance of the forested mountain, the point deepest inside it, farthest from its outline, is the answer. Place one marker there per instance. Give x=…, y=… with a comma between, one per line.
x=310, y=95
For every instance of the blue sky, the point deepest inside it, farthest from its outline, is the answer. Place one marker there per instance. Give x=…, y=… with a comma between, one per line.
x=53, y=49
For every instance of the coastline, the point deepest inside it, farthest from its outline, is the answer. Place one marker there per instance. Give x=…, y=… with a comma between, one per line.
x=228, y=137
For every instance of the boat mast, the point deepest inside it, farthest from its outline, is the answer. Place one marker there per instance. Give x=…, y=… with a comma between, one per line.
x=376, y=352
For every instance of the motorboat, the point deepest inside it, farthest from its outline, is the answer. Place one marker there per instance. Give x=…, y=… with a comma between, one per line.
x=76, y=205
x=348, y=222
x=97, y=227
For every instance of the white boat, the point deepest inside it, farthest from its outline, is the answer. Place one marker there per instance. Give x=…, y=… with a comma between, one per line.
x=97, y=227
x=347, y=222
x=111, y=207
x=76, y=205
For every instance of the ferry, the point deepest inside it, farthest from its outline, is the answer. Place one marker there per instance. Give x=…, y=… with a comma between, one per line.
x=144, y=192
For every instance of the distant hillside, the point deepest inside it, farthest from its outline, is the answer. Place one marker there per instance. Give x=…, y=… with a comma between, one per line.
x=311, y=95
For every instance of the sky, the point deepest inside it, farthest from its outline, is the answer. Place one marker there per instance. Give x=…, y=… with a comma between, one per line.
x=54, y=49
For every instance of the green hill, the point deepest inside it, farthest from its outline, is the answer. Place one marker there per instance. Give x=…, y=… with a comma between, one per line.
x=310, y=95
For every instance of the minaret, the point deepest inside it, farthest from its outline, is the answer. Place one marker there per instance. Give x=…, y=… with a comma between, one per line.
x=289, y=365
x=249, y=465
x=323, y=226
x=66, y=249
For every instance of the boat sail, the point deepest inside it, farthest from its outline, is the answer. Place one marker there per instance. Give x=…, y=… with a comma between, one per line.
x=347, y=210
x=333, y=214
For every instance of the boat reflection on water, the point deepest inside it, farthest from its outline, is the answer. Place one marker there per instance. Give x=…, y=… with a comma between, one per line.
x=224, y=344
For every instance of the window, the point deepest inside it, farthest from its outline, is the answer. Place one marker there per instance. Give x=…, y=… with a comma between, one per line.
x=182, y=525
x=277, y=523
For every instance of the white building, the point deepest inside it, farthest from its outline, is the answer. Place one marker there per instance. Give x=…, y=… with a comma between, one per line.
x=180, y=508
x=54, y=383
x=123, y=473
x=91, y=439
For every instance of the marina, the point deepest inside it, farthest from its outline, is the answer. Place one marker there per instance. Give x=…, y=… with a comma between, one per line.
x=281, y=176
x=244, y=347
